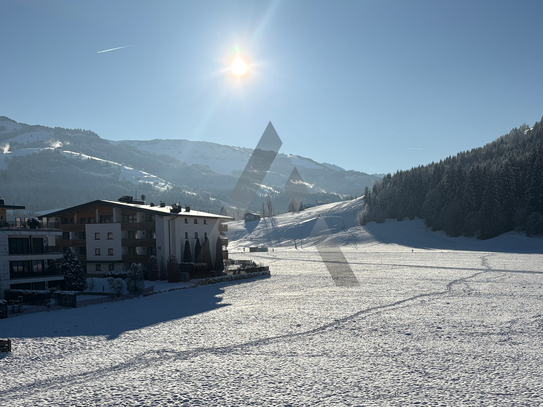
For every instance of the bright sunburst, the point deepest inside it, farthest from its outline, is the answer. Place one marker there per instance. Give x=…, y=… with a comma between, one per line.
x=239, y=67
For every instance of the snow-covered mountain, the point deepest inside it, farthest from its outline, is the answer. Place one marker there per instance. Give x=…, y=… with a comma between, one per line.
x=154, y=166
x=222, y=159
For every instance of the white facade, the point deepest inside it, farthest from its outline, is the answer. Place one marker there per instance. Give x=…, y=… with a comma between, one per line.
x=110, y=235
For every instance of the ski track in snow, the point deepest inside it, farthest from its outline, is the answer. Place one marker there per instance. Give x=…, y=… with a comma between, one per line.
x=433, y=327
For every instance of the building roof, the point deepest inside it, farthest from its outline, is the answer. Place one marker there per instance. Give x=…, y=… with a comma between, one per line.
x=2, y=206
x=157, y=210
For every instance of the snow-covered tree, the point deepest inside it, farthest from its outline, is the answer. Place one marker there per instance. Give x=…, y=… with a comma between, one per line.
x=75, y=275
x=134, y=279
x=116, y=286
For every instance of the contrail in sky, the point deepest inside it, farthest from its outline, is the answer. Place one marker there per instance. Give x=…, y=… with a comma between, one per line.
x=113, y=49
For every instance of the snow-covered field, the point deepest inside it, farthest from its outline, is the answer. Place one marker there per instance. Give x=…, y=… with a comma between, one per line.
x=432, y=323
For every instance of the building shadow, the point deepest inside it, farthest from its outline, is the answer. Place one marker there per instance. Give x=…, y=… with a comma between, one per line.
x=112, y=319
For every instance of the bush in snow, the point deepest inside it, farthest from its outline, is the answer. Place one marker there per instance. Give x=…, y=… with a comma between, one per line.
x=162, y=275
x=116, y=286
x=75, y=275
x=152, y=268
x=134, y=279
x=174, y=274
x=116, y=274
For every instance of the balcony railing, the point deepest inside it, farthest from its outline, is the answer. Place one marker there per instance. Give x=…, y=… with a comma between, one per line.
x=29, y=224
x=223, y=227
x=43, y=250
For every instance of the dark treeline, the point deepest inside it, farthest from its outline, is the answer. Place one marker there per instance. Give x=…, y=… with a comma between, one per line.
x=483, y=192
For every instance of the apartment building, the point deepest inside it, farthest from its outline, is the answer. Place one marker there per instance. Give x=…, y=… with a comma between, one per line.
x=111, y=235
x=29, y=258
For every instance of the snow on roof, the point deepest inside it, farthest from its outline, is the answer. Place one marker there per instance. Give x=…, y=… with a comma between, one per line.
x=158, y=210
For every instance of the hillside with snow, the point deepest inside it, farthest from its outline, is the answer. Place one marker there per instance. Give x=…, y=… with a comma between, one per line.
x=435, y=320
x=161, y=169
x=282, y=231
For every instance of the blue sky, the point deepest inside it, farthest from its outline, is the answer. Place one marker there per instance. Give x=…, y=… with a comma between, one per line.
x=373, y=86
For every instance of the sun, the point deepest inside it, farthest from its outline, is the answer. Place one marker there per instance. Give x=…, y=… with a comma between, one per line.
x=239, y=67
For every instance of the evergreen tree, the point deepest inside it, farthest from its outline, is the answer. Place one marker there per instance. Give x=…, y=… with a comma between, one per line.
x=187, y=257
x=134, y=279
x=75, y=275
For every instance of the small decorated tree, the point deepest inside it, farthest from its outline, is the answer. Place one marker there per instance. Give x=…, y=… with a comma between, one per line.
x=134, y=279
x=75, y=275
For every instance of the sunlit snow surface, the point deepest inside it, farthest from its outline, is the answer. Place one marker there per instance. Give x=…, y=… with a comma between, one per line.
x=437, y=325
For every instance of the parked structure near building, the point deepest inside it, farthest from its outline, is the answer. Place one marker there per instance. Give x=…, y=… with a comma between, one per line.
x=249, y=217
x=29, y=258
x=111, y=235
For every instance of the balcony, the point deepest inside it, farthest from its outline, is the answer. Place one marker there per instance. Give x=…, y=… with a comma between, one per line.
x=224, y=241
x=29, y=224
x=44, y=252
x=223, y=227
x=133, y=226
x=138, y=242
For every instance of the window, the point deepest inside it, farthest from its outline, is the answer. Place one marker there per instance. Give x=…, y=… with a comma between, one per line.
x=98, y=267
x=151, y=251
x=65, y=235
x=82, y=235
x=19, y=269
x=186, y=235
x=110, y=252
x=90, y=219
x=82, y=220
x=205, y=235
x=97, y=252
x=196, y=235
x=106, y=218
x=195, y=221
x=151, y=234
x=205, y=221
x=18, y=245
x=109, y=235
x=130, y=219
x=83, y=251
x=149, y=217
x=131, y=234
x=131, y=250
x=37, y=266
x=97, y=236
x=111, y=266
x=37, y=245
x=64, y=221
x=186, y=220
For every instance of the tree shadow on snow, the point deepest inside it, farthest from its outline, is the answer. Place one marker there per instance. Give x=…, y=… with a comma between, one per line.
x=414, y=234
x=112, y=319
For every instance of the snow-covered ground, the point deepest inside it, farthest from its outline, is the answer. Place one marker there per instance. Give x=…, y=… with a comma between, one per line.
x=432, y=322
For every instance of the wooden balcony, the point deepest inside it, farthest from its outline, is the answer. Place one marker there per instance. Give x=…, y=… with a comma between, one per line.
x=72, y=227
x=223, y=227
x=132, y=227
x=138, y=242
x=224, y=241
